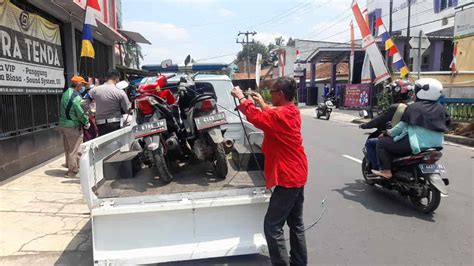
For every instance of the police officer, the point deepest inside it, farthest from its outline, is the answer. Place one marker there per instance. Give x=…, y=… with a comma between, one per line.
x=111, y=103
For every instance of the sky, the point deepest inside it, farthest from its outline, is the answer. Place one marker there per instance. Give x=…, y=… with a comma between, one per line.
x=207, y=29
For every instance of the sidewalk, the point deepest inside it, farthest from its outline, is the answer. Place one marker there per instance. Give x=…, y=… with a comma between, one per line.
x=345, y=116
x=44, y=220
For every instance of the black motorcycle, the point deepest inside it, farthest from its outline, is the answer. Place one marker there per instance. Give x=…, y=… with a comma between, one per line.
x=325, y=108
x=417, y=176
x=202, y=121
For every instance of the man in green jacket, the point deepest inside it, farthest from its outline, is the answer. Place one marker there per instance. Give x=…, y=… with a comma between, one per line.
x=71, y=121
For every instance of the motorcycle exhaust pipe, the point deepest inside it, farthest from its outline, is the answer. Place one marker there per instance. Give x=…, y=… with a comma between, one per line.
x=228, y=145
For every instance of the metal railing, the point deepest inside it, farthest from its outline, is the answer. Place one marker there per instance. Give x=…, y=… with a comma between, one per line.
x=460, y=109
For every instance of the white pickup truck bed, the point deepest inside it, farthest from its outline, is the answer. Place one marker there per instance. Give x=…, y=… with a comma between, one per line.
x=190, y=178
x=141, y=220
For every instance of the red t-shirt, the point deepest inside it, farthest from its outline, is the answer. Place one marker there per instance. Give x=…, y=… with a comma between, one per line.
x=286, y=164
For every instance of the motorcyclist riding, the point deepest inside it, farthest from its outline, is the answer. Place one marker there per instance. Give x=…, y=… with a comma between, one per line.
x=400, y=90
x=421, y=127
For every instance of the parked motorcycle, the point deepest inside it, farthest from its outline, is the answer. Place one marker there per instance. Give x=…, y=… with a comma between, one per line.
x=417, y=176
x=157, y=125
x=325, y=108
x=202, y=121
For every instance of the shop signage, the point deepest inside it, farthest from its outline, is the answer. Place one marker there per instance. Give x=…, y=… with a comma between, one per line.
x=31, y=59
x=357, y=95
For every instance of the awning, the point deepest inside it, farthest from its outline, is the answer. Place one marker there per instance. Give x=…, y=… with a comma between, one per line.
x=135, y=36
x=132, y=71
x=329, y=55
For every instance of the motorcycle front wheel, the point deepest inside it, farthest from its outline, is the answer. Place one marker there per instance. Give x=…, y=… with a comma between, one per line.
x=328, y=115
x=366, y=171
x=430, y=202
x=220, y=161
x=318, y=114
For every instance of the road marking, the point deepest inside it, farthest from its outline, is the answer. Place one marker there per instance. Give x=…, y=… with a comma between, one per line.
x=352, y=158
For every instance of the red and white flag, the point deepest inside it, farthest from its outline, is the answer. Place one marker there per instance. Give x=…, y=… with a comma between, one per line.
x=454, y=62
x=370, y=47
x=92, y=12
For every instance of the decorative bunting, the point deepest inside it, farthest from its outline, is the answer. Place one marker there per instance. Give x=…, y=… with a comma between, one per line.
x=391, y=48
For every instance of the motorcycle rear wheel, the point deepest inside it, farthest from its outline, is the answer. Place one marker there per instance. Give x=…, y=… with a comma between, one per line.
x=433, y=200
x=220, y=161
x=365, y=171
x=161, y=166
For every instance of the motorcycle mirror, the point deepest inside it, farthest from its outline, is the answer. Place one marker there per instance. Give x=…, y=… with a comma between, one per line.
x=187, y=60
x=166, y=63
x=122, y=85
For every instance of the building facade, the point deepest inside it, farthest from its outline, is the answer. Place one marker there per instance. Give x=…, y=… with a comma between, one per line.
x=436, y=19
x=39, y=53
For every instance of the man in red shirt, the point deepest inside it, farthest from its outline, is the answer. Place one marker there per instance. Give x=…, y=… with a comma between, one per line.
x=286, y=168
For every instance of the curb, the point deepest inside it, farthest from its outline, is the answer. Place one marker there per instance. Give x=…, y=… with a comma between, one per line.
x=459, y=140
x=447, y=137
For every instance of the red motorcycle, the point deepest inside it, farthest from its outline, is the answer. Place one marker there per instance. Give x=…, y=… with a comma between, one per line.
x=158, y=124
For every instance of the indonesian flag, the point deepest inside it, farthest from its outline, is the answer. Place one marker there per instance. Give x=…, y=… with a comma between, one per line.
x=92, y=9
x=92, y=12
x=454, y=62
x=370, y=47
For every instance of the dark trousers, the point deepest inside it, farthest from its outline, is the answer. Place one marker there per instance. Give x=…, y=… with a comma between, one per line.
x=371, y=146
x=286, y=205
x=388, y=149
x=107, y=128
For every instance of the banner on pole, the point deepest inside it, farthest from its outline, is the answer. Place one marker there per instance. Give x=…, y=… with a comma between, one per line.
x=357, y=95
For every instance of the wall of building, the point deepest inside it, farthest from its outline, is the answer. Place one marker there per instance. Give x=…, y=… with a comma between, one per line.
x=24, y=146
x=422, y=12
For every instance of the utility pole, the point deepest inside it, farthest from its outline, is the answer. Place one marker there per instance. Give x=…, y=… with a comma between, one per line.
x=406, y=51
x=245, y=43
x=389, y=59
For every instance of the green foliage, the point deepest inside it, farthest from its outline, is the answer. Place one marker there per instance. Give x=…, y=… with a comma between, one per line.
x=384, y=100
x=252, y=50
x=266, y=96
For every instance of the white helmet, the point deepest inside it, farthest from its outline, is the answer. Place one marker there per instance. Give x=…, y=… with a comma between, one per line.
x=428, y=89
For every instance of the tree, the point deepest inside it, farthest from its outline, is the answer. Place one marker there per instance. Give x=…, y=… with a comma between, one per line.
x=279, y=41
x=252, y=50
x=131, y=50
x=291, y=42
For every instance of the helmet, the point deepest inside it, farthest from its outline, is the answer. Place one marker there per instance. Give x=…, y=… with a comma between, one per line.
x=400, y=90
x=428, y=89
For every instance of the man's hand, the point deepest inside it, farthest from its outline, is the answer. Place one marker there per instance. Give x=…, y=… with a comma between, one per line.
x=237, y=93
x=258, y=98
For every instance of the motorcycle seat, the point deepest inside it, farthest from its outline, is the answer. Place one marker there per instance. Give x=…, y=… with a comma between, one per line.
x=201, y=97
x=419, y=156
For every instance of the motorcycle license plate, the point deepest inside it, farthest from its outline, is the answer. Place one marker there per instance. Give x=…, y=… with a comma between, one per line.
x=431, y=168
x=208, y=121
x=149, y=128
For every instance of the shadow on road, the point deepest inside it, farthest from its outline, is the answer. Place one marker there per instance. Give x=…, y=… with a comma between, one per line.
x=79, y=250
x=255, y=259
x=380, y=200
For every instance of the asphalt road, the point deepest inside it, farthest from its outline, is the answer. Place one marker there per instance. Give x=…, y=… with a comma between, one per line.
x=369, y=225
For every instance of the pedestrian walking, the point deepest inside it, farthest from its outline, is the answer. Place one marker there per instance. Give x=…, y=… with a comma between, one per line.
x=111, y=104
x=72, y=120
x=286, y=168
x=88, y=104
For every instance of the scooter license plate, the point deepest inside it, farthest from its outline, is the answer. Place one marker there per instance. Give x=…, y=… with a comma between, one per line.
x=209, y=121
x=432, y=168
x=149, y=128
